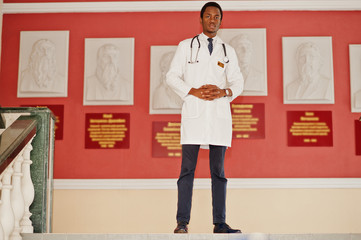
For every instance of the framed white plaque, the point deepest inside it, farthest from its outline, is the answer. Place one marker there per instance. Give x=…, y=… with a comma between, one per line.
x=43, y=64
x=109, y=71
x=251, y=50
x=162, y=99
x=355, y=76
x=307, y=70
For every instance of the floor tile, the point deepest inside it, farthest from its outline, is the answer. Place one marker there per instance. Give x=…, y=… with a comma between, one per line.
x=330, y=237
x=179, y=236
x=32, y=236
x=221, y=237
x=256, y=236
x=80, y=236
x=200, y=236
x=289, y=237
x=159, y=236
x=356, y=236
x=54, y=236
x=127, y=237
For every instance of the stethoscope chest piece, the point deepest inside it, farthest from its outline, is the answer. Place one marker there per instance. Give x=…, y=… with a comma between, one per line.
x=226, y=60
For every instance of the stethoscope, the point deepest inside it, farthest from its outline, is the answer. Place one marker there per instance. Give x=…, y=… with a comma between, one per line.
x=226, y=60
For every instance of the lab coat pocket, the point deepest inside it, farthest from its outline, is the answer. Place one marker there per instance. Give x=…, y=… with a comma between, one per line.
x=190, y=107
x=219, y=67
x=223, y=108
x=218, y=70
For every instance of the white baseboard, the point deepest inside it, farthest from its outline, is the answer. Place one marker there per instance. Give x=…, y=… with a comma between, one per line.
x=205, y=183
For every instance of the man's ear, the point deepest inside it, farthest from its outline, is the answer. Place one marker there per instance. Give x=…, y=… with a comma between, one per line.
x=200, y=20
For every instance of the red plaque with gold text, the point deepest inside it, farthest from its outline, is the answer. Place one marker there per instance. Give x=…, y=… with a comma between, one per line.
x=107, y=130
x=309, y=128
x=166, y=139
x=358, y=136
x=248, y=120
x=58, y=111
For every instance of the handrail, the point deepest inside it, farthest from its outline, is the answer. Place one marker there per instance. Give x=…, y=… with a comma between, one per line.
x=14, y=139
x=2, y=123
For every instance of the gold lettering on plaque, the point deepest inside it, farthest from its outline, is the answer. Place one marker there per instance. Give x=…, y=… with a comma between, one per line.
x=107, y=131
x=170, y=138
x=309, y=125
x=243, y=120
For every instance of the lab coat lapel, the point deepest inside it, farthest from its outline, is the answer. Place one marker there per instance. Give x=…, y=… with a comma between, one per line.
x=204, y=59
x=217, y=47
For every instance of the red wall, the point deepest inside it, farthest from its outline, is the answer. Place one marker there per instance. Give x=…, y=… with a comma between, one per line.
x=51, y=1
x=269, y=157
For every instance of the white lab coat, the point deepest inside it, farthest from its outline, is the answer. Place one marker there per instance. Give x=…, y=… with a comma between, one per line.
x=205, y=122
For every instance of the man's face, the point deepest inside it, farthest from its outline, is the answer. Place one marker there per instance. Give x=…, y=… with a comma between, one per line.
x=165, y=62
x=211, y=21
x=108, y=63
x=43, y=63
x=109, y=57
x=244, y=52
x=309, y=63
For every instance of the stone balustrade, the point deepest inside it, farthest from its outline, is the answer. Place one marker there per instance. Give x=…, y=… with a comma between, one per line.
x=17, y=128
x=17, y=194
x=16, y=186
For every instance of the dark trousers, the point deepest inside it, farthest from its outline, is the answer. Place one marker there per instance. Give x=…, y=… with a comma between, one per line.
x=185, y=182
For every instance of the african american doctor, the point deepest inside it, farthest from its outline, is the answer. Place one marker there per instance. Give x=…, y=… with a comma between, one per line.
x=205, y=74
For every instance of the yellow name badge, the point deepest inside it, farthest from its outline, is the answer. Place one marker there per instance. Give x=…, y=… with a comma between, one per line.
x=220, y=64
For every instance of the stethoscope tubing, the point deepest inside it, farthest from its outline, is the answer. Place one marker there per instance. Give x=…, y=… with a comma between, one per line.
x=199, y=46
x=226, y=60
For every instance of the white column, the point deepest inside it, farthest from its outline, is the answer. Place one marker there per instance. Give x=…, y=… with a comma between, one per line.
x=17, y=199
x=6, y=211
x=27, y=189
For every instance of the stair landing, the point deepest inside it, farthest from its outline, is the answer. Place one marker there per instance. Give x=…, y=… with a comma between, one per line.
x=250, y=236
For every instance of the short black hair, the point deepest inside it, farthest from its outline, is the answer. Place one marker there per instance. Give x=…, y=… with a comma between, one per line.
x=211, y=4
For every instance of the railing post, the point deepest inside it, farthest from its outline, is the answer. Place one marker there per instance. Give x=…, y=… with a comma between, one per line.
x=6, y=210
x=17, y=199
x=27, y=187
x=1, y=226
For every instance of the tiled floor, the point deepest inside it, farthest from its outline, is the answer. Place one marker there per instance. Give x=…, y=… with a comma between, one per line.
x=252, y=236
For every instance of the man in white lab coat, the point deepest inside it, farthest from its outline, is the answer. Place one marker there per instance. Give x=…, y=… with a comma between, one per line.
x=205, y=74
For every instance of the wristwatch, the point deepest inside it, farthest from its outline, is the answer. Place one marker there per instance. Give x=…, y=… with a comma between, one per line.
x=227, y=92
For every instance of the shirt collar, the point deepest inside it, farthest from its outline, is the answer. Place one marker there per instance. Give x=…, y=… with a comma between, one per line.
x=205, y=38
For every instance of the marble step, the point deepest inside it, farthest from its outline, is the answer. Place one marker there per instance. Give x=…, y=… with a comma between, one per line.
x=250, y=236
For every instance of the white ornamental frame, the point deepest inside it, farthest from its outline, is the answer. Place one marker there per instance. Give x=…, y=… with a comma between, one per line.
x=162, y=99
x=355, y=76
x=43, y=53
x=122, y=91
x=322, y=91
x=251, y=45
